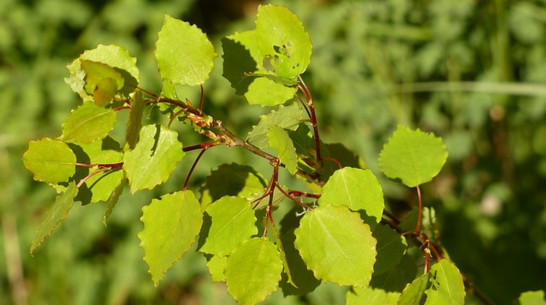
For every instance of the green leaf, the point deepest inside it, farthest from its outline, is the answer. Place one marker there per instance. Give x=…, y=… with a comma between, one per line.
x=253, y=271
x=171, y=225
x=283, y=41
x=371, y=296
x=135, y=120
x=88, y=123
x=280, y=141
x=413, y=293
x=59, y=211
x=233, y=221
x=238, y=63
x=243, y=181
x=355, y=188
x=104, y=92
x=183, y=52
x=110, y=55
x=391, y=246
x=336, y=245
x=113, y=200
x=50, y=160
x=413, y=156
x=447, y=284
x=532, y=298
x=154, y=158
x=217, y=265
x=113, y=56
x=395, y=279
x=102, y=81
x=285, y=117
x=276, y=93
x=102, y=185
x=275, y=53
x=300, y=281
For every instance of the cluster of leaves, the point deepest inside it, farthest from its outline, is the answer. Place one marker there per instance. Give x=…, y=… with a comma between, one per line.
x=343, y=236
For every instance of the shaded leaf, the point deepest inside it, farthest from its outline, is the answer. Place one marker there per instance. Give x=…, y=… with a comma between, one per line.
x=243, y=181
x=135, y=120
x=391, y=246
x=171, y=225
x=238, y=63
x=59, y=211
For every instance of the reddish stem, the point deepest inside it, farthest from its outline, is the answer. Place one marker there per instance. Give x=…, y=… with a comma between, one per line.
x=311, y=105
x=333, y=160
x=203, y=147
x=303, y=194
x=291, y=197
x=420, y=212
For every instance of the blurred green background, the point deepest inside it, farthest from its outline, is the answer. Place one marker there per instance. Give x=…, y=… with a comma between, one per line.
x=472, y=71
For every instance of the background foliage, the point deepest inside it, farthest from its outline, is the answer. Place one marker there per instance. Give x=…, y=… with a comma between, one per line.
x=470, y=71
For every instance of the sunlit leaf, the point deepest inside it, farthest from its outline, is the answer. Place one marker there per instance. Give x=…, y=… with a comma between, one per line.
x=532, y=298
x=153, y=159
x=171, y=225
x=280, y=141
x=183, y=52
x=371, y=296
x=447, y=284
x=413, y=293
x=217, y=265
x=286, y=117
x=355, y=188
x=50, y=160
x=88, y=123
x=413, y=156
x=232, y=222
x=277, y=93
x=253, y=271
x=336, y=245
